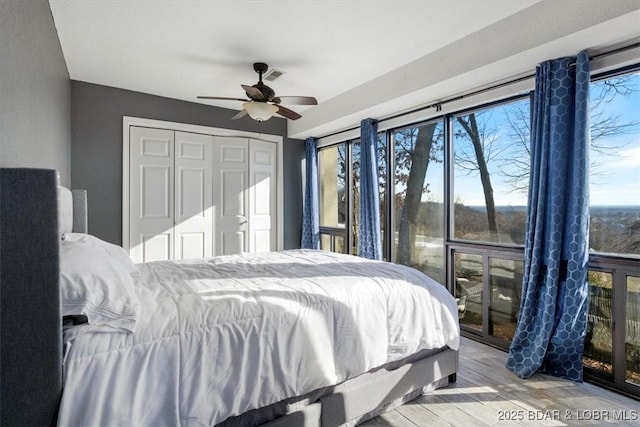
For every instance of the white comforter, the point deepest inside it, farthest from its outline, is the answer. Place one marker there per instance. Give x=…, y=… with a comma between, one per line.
x=221, y=336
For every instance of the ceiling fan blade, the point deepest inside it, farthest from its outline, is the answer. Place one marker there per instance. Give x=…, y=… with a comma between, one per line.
x=223, y=98
x=296, y=100
x=254, y=93
x=240, y=114
x=289, y=114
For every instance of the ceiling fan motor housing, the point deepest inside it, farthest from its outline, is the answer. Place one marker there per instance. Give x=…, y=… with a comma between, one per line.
x=260, y=67
x=267, y=92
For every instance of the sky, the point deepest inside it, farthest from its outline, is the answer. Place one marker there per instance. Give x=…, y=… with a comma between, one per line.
x=617, y=180
x=614, y=178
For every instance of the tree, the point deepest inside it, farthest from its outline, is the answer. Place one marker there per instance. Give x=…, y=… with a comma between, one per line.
x=415, y=148
x=470, y=126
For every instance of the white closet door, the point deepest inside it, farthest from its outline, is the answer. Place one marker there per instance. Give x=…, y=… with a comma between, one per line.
x=262, y=195
x=230, y=169
x=193, y=202
x=151, y=214
x=195, y=195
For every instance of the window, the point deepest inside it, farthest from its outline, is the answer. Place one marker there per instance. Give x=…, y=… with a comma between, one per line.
x=355, y=194
x=333, y=206
x=612, y=343
x=469, y=278
x=610, y=356
x=615, y=165
x=505, y=285
x=599, y=356
x=339, y=171
x=419, y=198
x=488, y=287
x=598, y=346
x=489, y=185
x=632, y=331
x=383, y=179
x=491, y=173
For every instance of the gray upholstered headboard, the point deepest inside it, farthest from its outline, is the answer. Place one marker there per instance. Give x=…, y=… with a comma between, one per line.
x=30, y=322
x=72, y=210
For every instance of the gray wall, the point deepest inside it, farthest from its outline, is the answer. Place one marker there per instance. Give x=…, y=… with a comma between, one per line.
x=34, y=89
x=96, y=150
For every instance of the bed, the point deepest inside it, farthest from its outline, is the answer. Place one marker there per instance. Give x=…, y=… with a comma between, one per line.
x=290, y=338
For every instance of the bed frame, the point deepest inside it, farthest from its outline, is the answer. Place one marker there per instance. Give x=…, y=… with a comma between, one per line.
x=30, y=323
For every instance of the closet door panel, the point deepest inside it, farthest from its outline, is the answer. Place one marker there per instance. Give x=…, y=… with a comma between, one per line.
x=232, y=191
x=192, y=245
x=262, y=194
x=230, y=169
x=151, y=194
x=194, y=200
x=155, y=192
x=233, y=242
x=155, y=247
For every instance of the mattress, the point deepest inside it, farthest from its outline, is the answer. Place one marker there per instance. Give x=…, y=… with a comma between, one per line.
x=218, y=337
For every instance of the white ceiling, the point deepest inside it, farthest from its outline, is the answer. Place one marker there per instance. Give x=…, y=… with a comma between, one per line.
x=358, y=58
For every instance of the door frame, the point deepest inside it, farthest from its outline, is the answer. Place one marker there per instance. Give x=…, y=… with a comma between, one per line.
x=128, y=121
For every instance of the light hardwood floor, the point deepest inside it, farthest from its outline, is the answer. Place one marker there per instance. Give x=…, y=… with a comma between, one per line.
x=487, y=394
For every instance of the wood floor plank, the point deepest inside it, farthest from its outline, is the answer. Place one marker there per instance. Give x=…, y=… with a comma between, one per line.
x=467, y=403
x=487, y=394
x=390, y=419
x=415, y=411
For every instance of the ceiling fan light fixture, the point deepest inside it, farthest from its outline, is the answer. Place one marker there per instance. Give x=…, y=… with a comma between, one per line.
x=260, y=111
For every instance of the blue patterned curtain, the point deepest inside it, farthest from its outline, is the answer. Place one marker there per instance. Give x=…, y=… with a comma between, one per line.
x=310, y=210
x=369, y=242
x=552, y=321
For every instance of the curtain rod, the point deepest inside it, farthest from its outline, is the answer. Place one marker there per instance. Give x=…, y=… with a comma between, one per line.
x=438, y=105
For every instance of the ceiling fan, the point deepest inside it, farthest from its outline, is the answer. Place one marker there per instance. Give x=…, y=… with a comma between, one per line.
x=263, y=102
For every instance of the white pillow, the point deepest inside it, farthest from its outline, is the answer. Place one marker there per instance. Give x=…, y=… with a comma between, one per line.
x=112, y=250
x=96, y=281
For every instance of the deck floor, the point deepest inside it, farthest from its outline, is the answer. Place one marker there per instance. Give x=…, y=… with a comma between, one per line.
x=487, y=394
